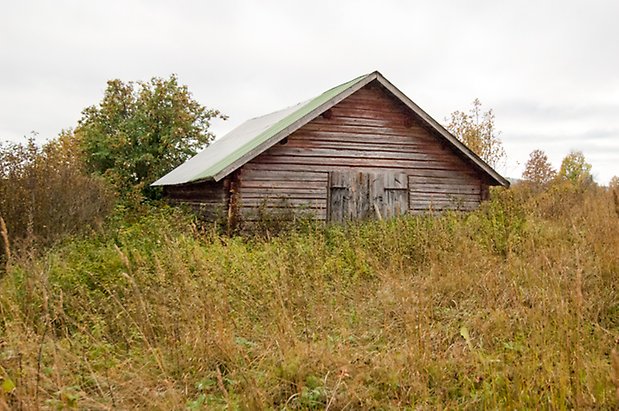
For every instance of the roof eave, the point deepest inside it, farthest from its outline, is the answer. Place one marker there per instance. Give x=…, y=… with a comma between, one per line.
x=199, y=180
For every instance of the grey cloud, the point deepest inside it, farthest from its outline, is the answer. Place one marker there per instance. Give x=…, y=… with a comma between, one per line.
x=551, y=73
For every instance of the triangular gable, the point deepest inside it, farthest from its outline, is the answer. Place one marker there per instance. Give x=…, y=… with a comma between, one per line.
x=257, y=135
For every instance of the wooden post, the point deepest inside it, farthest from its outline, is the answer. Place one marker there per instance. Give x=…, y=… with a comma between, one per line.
x=233, y=200
x=484, y=192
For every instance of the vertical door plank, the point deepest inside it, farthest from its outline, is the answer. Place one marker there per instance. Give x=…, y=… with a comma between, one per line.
x=396, y=194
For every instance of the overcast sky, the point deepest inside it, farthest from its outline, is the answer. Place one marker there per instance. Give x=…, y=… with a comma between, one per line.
x=550, y=70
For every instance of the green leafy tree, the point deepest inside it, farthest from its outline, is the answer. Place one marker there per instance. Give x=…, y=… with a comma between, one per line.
x=538, y=169
x=142, y=130
x=575, y=168
x=477, y=131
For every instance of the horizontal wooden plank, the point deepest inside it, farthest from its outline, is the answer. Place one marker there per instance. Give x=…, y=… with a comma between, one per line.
x=418, y=169
x=366, y=144
x=278, y=185
x=380, y=121
x=441, y=204
x=443, y=196
x=361, y=129
x=364, y=149
x=322, y=163
x=283, y=203
x=278, y=175
x=369, y=136
x=374, y=102
x=466, y=179
x=284, y=154
x=284, y=194
x=447, y=196
x=363, y=114
x=289, y=187
x=445, y=188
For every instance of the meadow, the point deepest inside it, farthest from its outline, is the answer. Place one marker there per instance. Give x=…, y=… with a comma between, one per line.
x=513, y=306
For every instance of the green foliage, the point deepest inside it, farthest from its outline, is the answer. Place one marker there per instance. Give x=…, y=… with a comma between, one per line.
x=574, y=168
x=7, y=386
x=477, y=131
x=513, y=306
x=140, y=131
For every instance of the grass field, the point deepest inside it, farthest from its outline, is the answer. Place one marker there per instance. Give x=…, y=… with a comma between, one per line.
x=514, y=306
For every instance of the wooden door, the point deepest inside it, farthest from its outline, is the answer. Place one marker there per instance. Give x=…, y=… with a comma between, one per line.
x=357, y=195
x=395, y=194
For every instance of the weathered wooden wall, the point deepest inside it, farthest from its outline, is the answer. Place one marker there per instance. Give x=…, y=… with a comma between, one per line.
x=208, y=198
x=370, y=131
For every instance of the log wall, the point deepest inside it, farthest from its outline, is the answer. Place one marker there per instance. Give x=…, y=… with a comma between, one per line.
x=208, y=198
x=369, y=131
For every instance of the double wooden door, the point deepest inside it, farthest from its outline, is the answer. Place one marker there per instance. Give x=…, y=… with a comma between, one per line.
x=358, y=195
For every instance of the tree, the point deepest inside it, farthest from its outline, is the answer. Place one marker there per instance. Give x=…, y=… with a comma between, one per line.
x=140, y=131
x=575, y=168
x=477, y=131
x=538, y=169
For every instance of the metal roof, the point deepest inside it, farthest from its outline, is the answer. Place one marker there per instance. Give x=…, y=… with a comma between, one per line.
x=253, y=137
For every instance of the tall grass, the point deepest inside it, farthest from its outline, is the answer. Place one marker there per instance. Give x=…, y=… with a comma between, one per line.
x=513, y=306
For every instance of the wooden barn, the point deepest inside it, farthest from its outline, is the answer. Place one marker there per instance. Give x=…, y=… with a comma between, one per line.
x=360, y=150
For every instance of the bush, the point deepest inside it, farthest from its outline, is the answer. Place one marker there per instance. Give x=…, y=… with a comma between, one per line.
x=45, y=193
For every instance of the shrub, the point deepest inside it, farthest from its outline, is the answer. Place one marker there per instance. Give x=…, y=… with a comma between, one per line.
x=45, y=193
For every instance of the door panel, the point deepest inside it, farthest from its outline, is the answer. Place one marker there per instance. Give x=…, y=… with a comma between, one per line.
x=356, y=195
x=396, y=195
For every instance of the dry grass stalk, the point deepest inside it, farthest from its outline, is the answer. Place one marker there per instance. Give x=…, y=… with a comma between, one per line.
x=5, y=239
